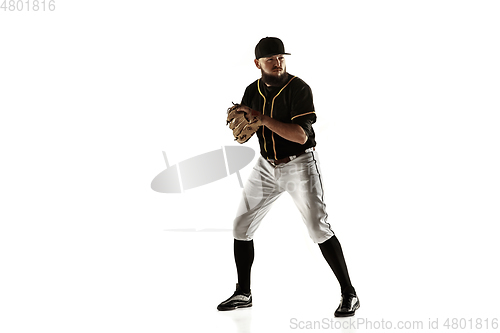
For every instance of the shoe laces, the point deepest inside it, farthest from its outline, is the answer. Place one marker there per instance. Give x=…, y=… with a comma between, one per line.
x=346, y=300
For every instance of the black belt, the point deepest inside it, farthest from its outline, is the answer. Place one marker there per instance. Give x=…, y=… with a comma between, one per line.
x=286, y=159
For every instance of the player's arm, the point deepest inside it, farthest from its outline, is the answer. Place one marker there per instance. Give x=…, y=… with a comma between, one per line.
x=291, y=132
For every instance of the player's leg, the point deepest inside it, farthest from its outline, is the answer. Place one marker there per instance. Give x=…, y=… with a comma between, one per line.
x=302, y=179
x=260, y=192
x=332, y=252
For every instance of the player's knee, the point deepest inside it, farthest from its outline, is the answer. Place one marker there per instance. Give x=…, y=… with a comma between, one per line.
x=241, y=236
x=240, y=231
x=319, y=232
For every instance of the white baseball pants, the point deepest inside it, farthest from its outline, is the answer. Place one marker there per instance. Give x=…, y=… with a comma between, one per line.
x=301, y=178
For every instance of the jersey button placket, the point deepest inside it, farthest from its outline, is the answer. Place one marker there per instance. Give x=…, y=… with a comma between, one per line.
x=277, y=174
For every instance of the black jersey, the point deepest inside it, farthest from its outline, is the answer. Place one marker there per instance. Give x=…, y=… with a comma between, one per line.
x=290, y=103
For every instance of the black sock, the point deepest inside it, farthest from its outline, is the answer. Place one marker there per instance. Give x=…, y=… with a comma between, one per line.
x=332, y=251
x=243, y=256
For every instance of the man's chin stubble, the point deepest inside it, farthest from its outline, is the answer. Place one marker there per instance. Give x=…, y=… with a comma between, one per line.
x=274, y=81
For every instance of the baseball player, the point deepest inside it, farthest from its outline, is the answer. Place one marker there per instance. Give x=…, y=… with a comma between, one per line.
x=288, y=163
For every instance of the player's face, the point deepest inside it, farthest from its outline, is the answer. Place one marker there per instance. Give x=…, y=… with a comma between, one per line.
x=272, y=66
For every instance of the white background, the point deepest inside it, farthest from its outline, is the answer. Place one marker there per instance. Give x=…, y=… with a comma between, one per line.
x=406, y=94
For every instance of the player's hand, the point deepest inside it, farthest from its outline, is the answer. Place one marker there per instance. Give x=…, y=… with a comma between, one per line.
x=250, y=113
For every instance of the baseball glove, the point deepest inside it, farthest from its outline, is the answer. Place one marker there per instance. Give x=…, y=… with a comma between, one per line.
x=242, y=127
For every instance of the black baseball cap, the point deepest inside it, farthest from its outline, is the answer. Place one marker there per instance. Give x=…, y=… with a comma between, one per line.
x=268, y=47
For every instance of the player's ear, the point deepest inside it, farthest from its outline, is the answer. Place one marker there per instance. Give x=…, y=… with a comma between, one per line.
x=257, y=63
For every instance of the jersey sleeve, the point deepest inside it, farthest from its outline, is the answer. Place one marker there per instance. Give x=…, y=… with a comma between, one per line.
x=302, y=107
x=245, y=99
x=248, y=95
